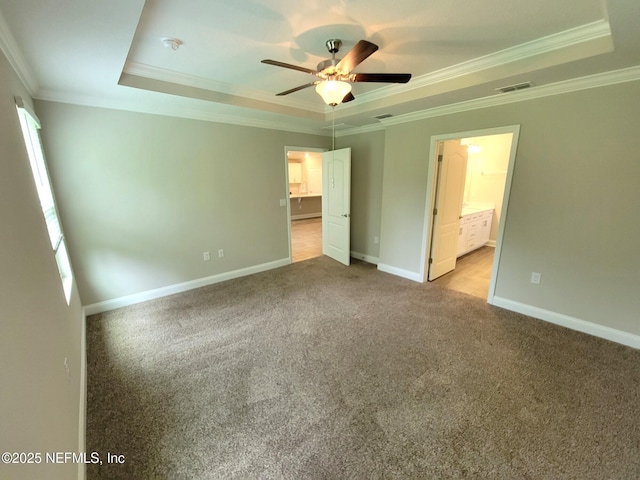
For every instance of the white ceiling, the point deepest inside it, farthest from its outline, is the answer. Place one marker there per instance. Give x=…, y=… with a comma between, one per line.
x=109, y=53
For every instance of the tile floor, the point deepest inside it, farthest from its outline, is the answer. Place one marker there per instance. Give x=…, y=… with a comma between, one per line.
x=472, y=274
x=306, y=238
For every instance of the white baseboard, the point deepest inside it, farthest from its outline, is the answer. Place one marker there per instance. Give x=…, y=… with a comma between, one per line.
x=400, y=272
x=608, y=333
x=365, y=258
x=180, y=287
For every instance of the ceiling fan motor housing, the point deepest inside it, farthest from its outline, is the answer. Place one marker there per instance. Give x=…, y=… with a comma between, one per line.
x=328, y=67
x=333, y=45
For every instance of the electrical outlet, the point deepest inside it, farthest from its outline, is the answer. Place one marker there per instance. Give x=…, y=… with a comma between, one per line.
x=536, y=277
x=66, y=368
x=206, y=256
x=220, y=253
x=283, y=202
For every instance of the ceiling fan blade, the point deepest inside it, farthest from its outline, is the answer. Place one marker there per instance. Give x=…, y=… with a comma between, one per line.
x=348, y=97
x=356, y=55
x=301, y=87
x=288, y=65
x=381, y=77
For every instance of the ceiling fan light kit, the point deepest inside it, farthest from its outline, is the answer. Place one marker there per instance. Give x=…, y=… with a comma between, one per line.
x=335, y=75
x=333, y=91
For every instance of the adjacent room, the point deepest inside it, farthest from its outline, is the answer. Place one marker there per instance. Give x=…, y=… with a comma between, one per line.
x=304, y=169
x=319, y=240
x=476, y=194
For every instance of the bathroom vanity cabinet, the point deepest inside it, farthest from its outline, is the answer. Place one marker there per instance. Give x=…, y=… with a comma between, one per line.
x=474, y=230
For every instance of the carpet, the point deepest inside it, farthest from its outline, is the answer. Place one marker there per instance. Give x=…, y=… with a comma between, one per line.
x=320, y=371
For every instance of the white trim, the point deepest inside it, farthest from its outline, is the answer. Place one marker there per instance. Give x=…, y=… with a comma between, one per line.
x=180, y=287
x=374, y=127
x=16, y=59
x=365, y=258
x=608, y=333
x=82, y=415
x=614, y=77
x=399, y=272
x=287, y=149
x=27, y=108
x=161, y=108
x=155, y=73
x=551, y=43
x=430, y=195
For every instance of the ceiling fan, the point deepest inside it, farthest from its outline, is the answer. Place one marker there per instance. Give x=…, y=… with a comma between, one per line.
x=335, y=74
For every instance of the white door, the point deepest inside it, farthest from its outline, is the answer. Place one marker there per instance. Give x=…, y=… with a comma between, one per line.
x=452, y=171
x=336, y=204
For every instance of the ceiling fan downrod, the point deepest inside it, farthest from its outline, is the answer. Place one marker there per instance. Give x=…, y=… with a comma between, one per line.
x=328, y=67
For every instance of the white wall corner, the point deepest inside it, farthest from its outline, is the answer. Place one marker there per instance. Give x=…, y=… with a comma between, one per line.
x=590, y=328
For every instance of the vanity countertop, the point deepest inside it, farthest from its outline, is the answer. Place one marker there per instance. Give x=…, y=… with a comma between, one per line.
x=471, y=208
x=303, y=195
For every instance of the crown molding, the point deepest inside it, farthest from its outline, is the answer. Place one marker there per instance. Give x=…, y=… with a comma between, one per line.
x=551, y=43
x=374, y=127
x=155, y=73
x=593, y=81
x=172, y=111
x=568, y=38
x=10, y=48
x=567, y=86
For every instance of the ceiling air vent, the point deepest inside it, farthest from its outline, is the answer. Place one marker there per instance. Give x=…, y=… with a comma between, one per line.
x=383, y=115
x=513, y=88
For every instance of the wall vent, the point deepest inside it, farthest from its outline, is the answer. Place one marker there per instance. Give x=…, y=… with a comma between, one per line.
x=513, y=88
x=383, y=115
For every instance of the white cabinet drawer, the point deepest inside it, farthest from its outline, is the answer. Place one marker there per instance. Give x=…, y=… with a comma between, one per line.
x=470, y=218
x=474, y=230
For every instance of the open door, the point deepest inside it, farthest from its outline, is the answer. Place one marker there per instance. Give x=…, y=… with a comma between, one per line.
x=452, y=171
x=336, y=205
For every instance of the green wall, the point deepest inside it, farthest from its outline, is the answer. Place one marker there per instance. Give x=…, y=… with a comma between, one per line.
x=573, y=205
x=42, y=409
x=367, y=158
x=143, y=196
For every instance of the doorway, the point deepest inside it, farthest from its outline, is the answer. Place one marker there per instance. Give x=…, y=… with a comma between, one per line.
x=477, y=191
x=304, y=209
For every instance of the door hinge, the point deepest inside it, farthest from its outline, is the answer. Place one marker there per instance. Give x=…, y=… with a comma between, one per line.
x=440, y=157
x=435, y=211
x=430, y=261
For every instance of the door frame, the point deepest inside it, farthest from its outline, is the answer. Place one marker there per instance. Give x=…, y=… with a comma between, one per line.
x=430, y=197
x=288, y=149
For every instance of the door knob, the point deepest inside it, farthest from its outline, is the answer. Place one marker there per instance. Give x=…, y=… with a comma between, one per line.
x=346, y=215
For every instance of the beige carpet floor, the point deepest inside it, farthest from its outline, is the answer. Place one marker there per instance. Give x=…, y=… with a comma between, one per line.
x=319, y=371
